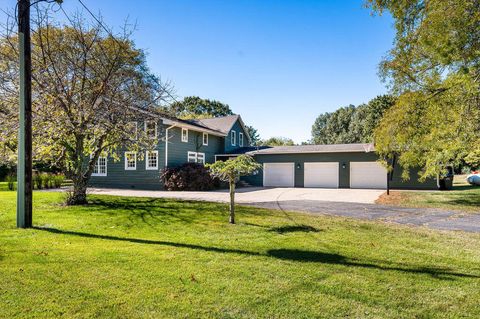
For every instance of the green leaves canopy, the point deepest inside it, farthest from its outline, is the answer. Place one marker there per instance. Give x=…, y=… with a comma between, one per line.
x=434, y=67
x=351, y=124
x=196, y=107
x=278, y=141
x=231, y=170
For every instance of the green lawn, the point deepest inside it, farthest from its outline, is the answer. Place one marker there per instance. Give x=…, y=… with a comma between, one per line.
x=4, y=186
x=153, y=258
x=463, y=197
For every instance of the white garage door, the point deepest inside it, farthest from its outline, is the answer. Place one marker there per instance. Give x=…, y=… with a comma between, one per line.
x=368, y=175
x=279, y=174
x=321, y=175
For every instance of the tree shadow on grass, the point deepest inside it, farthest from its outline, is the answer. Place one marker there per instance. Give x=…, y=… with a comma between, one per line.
x=149, y=211
x=336, y=259
x=161, y=210
x=294, y=228
x=294, y=255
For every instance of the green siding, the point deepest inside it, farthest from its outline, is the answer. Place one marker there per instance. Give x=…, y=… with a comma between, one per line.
x=344, y=173
x=237, y=127
x=178, y=150
x=118, y=177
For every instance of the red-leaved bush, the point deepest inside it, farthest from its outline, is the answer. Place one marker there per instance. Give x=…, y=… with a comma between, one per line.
x=189, y=177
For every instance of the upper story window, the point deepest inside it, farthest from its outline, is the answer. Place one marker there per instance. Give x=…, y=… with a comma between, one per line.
x=240, y=139
x=205, y=138
x=233, y=138
x=151, y=160
x=130, y=161
x=185, y=135
x=132, y=128
x=194, y=157
x=151, y=129
x=100, y=168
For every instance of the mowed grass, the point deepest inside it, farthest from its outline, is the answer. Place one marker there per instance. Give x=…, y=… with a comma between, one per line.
x=463, y=197
x=154, y=258
x=4, y=186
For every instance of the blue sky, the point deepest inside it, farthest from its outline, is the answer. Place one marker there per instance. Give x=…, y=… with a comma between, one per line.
x=278, y=63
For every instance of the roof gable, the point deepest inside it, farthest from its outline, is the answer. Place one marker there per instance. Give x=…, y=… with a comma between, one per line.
x=222, y=124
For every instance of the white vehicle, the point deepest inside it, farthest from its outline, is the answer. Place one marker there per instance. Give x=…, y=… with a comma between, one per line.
x=473, y=179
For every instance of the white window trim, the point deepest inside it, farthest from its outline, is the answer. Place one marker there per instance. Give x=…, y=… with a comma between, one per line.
x=126, y=162
x=156, y=129
x=136, y=129
x=186, y=135
x=203, y=155
x=98, y=164
x=147, y=167
x=240, y=139
x=205, y=135
x=233, y=138
x=195, y=156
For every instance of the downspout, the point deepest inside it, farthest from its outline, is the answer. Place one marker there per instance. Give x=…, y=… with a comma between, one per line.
x=166, y=144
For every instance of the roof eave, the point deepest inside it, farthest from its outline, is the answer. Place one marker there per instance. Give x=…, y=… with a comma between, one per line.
x=306, y=152
x=192, y=127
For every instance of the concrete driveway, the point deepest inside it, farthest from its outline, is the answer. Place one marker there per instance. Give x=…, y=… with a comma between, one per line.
x=252, y=195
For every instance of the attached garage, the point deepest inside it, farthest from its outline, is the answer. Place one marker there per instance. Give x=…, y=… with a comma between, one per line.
x=368, y=175
x=321, y=174
x=328, y=166
x=279, y=174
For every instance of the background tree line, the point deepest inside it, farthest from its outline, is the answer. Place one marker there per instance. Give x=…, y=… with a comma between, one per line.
x=351, y=124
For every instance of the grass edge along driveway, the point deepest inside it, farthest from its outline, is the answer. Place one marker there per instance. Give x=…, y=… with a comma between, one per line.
x=149, y=258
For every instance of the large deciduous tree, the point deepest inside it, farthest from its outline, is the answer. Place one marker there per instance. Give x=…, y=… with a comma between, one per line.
x=351, y=124
x=196, y=107
x=87, y=87
x=434, y=68
x=277, y=141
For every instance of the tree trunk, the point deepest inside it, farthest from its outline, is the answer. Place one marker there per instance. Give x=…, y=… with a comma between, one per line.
x=232, y=202
x=79, y=194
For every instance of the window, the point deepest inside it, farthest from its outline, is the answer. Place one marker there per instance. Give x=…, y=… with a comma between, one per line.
x=100, y=168
x=132, y=128
x=151, y=129
x=233, y=138
x=205, y=138
x=151, y=160
x=240, y=139
x=185, y=135
x=194, y=157
x=130, y=161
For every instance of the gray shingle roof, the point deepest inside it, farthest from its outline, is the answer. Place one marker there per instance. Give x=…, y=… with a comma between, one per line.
x=332, y=148
x=222, y=124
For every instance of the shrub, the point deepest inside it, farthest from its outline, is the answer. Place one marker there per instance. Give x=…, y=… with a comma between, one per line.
x=47, y=180
x=58, y=180
x=38, y=180
x=188, y=177
x=10, y=179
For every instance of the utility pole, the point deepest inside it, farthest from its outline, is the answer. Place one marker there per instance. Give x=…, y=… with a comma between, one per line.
x=24, y=167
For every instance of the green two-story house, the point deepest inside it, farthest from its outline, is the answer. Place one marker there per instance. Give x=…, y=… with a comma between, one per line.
x=180, y=141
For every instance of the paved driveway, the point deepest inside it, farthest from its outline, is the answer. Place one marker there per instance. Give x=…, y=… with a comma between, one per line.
x=353, y=203
x=252, y=195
